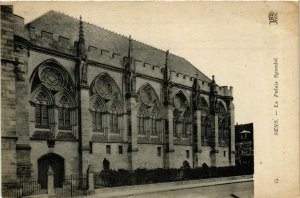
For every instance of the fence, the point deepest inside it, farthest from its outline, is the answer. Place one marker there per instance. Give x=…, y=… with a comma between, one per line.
x=22, y=188
x=73, y=185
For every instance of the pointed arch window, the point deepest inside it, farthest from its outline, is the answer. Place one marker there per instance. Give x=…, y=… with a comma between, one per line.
x=186, y=125
x=115, y=117
x=52, y=90
x=220, y=108
x=155, y=121
x=41, y=111
x=98, y=116
x=143, y=120
x=206, y=131
x=223, y=132
x=114, y=125
x=177, y=123
x=64, y=114
x=203, y=104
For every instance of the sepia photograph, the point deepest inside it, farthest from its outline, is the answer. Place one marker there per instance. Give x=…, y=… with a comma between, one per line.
x=149, y=99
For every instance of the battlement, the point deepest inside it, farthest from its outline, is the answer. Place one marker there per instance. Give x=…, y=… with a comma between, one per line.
x=19, y=27
x=105, y=57
x=225, y=91
x=47, y=39
x=222, y=90
x=60, y=43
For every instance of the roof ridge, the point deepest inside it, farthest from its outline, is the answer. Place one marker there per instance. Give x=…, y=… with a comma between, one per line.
x=157, y=51
x=101, y=27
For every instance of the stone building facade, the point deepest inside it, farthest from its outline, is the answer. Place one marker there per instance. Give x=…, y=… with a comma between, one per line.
x=74, y=94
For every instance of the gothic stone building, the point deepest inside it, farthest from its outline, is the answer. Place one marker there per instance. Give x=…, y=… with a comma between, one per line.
x=74, y=94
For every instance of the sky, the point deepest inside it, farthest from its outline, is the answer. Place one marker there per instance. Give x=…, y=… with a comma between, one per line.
x=212, y=37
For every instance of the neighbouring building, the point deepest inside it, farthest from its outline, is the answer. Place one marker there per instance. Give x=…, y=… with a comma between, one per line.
x=244, y=144
x=74, y=94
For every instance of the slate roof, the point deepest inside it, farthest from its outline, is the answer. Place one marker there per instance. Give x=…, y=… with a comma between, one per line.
x=66, y=26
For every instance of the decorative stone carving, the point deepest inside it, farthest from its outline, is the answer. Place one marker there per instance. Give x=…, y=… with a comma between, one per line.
x=41, y=98
x=19, y=67
x=64, y=101
x=147, y=95
x=213, y=97
x=53, y=78
x=130, y=72
x=167, y=84
x=180, y=102
x=104, y=88
x=19, y=70
x=83, y=67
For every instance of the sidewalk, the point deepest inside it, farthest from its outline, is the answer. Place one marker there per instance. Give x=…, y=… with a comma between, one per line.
x=170, y=186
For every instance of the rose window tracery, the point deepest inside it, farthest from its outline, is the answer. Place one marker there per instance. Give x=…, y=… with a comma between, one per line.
x=147, y=95
x=180, y=102
x=52, y=78
x=104, y=89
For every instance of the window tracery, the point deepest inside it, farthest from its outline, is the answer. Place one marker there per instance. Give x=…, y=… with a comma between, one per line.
x=155, y=121
x=149, y=114
x=107, y=105
x=104, y=88
x=203, y=104
x=41, y=111
x=143, y=117
x=52, y=78
x=98, y=115
x=223, y=131
x=147, y=95
x=114, y=117
x=50, y=81
x=187, y=124
x=206, y=131
x=181, y=116
x=64, y=114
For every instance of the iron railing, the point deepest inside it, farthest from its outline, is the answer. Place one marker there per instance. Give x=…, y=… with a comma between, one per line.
x=73, y=185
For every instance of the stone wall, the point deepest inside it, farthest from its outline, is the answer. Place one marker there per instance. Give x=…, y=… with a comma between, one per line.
x=8, y=96
x=117, y=160
x=180, y=155
x=148, y=157
x=17, y=113
x=67, y=150
x=205, y=156
x=8, y=160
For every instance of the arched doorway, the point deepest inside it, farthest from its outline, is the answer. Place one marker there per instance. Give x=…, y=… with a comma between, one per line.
x=57, y=164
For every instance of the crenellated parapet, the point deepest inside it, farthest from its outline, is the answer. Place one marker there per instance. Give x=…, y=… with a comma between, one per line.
x=49, y=40
x=61, y=44
x=19, y=27
x=221, y=90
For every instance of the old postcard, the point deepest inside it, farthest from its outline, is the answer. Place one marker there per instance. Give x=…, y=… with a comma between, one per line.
x=150, y=99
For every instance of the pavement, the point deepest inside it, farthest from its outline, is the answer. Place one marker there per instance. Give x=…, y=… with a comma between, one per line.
x=225, y=187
